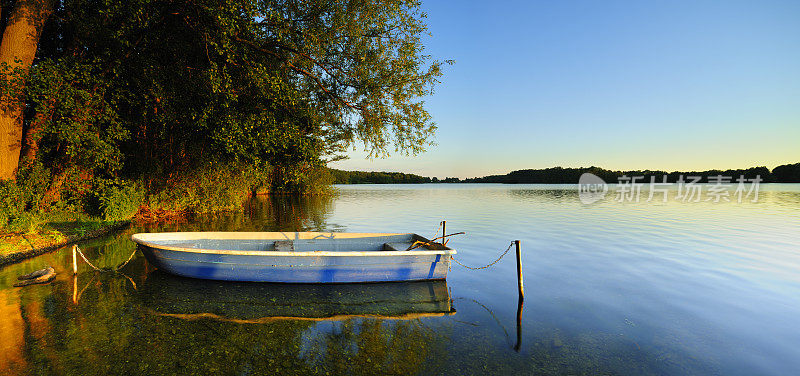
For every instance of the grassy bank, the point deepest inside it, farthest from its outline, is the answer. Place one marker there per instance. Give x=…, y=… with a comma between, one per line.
x=37, y=215
x=52, y=233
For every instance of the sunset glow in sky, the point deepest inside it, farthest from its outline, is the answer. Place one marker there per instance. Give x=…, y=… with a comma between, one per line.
x=679, y=85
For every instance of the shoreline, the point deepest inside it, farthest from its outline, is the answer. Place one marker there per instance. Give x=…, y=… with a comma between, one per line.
x=46, y=247
x=19, y=246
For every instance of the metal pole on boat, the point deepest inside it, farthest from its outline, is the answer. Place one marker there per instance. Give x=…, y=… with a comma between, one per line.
x=519, y=270
x=74, y=260
x=444, y=224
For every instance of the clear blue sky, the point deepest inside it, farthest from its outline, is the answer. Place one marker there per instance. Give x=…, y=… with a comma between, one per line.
x=672, y=85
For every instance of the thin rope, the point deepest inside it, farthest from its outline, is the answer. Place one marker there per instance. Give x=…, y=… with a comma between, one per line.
x=490, y=264
x=508, y=339
x=129, y=279
x=78, y=298
x=116, y=269
x=87, y=261
x=126, y=262
x=437, y=230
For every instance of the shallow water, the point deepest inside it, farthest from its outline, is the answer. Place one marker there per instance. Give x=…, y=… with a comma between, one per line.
x=610, y=288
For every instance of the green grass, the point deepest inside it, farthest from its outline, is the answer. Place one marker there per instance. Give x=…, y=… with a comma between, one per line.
x=50, y=229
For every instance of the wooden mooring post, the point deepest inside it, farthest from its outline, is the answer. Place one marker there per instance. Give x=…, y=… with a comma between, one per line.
x=74, y=259
x=521, y=295
x=519, y=270
x=519, y=325
x=74, y=289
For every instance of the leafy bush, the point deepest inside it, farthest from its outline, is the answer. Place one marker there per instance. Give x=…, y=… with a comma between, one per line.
x=11, y=204
x=117, y=200
x=13, y=214
x=33, y=180
x=214, y=187
x=315, y=180
x=25, y=222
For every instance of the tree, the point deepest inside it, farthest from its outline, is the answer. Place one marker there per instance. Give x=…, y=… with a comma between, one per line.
x=151, y=90
x=788, y=173
x=362, y=62
x=23, y=26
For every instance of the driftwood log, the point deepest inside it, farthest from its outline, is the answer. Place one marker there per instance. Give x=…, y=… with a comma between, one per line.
x=40, y=276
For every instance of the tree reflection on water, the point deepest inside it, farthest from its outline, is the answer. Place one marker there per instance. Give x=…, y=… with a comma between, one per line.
x=111, y=330
x=146, y=322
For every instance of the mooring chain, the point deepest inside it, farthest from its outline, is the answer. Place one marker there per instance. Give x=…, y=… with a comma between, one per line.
x=490, y=264
x=116, y=269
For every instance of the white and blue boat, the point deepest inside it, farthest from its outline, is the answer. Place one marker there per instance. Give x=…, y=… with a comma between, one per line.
x=297, y=257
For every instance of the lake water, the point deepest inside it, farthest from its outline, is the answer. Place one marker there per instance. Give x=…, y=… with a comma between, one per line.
x=610, y=288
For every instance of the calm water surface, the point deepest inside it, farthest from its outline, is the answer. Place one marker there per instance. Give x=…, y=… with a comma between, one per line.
x=611, y=288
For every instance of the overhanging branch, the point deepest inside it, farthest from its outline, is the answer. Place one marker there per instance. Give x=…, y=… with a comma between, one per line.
x=315, y=78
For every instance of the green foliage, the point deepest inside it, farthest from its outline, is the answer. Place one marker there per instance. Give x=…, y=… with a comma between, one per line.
x=13, y=214
x=560, y=175
x=297, y=179
x=170, y=94
x=25, y=222
x=32, y=182
x=361, y=62
x=76, y=125
x=12, y=92
x=281, y=82
x=213, y=187
x=19, y=211
x=11, y=205
x=117, y=201
x=361, y=177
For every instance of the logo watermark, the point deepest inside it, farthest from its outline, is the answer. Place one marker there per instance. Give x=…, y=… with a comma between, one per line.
x=719, y=188
x=591, y=188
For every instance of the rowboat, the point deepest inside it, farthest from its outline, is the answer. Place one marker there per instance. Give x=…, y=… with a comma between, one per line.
x=297, y=257
x=164, y=294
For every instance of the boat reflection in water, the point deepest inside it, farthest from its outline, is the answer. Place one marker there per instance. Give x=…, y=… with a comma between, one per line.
x=187, y=298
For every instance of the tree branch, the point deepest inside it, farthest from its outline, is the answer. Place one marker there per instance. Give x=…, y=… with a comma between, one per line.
x=315, y=78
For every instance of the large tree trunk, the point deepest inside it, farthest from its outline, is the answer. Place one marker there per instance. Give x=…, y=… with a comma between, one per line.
x=17, y=49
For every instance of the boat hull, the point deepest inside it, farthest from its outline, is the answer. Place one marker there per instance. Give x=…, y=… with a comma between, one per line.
x=304, y=267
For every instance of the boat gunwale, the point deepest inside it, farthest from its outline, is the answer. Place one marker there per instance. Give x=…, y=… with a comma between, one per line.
x=137, y=238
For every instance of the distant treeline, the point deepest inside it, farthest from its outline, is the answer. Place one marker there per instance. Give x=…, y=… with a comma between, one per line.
x=559, y=175
x=362, y=177
x=789, y=173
